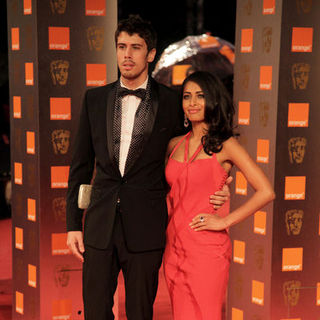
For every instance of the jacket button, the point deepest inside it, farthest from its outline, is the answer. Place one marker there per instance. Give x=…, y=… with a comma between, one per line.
x=118, y=201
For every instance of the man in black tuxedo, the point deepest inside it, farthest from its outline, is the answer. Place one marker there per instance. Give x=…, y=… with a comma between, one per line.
x=124, y=130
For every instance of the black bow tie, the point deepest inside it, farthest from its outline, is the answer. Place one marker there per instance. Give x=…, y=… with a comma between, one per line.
x=140, y=93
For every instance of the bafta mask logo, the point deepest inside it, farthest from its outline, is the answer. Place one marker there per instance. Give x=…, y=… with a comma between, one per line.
x=304, y=6
x=267, y=39
x=264, y=113
x=291, y=292
x=300, y=75
x=61, y=275
x=95, y=37
x=59, y=70
x=259, y=256
x=59, y=209
x=58, y=6
x=248, y=7
x=60, y=141
x=297, y=149
x=245, y=76
x=294, y=221
x=238, y=286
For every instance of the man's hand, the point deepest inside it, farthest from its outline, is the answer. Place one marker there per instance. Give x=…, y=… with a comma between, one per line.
x=75, y=244
x=220, y=197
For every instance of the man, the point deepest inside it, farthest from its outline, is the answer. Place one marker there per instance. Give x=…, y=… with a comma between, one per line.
x=126, y=137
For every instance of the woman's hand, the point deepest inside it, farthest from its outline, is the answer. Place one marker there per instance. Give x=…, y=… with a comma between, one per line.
x=205, y=221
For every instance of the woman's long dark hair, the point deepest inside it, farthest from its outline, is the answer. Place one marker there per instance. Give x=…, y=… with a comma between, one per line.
x=219, y=110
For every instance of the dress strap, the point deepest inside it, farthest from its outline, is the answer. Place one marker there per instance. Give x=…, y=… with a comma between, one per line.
x=178, y=144
x=186, y=150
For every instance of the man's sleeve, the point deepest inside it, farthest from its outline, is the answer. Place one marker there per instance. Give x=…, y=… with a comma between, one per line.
x=81, y=169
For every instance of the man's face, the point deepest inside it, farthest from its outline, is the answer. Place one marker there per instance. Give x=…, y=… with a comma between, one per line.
x=133, y=57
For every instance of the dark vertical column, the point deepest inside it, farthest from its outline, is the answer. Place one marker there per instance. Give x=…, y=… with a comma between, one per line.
x=274, y=273
x=258, y=30
x=295, y=275
x=57, y=50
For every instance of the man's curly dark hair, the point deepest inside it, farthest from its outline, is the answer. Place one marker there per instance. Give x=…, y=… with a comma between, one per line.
x=135, y=24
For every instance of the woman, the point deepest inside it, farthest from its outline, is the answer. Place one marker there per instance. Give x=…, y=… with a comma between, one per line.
x=198, y=251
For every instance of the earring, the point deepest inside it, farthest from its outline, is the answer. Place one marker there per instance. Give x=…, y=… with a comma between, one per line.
x=186, y=121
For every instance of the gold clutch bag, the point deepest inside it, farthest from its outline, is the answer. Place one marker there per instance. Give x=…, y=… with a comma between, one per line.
x=84, y=196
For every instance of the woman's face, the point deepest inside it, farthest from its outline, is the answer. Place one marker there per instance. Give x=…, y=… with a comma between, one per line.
x=193, y=102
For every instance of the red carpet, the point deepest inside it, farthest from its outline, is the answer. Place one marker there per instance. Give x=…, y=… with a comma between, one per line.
x=5, y=270
x=161, y=307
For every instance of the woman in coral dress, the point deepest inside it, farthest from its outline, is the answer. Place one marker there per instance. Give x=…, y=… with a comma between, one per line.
x=198, y=250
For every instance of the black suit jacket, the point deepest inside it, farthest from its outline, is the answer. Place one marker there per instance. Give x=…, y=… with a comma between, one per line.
x=142, y=189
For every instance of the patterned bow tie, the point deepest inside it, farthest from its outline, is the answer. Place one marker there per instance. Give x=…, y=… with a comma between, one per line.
x=140, y=93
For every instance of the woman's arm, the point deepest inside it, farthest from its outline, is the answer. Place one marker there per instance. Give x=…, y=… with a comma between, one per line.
x=264, y=193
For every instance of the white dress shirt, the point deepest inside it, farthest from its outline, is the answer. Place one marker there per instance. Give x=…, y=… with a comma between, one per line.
x=129, y=106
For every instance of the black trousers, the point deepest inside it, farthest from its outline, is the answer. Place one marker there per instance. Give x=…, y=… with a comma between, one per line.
x=100, y=274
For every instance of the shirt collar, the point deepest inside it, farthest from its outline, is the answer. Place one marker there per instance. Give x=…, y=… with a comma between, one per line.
x=142, y=86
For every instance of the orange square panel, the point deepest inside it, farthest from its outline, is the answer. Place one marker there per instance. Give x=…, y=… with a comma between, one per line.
x=19, y=302
x=244, y=112
x=32, y=276
x=18, y=238
x=263, y=151
x=239, y=249
x=59, y=38
x=59, y=244
x=236, y=314
x=298, y=115
x=257, y=292
x=292, y=259
x=29, y=78
x=302, y=39
x=61, y=309
x=179, y=73
x=30, y=136
x=269, y=7
x=59, y=177
x=16, y=107
x=246, y=40
x=95, y=7
x=18, y=173
x=260, y=222
x=295, y=188
x=265, y=78
x=96, y=74
x=31, y=209
x=241, y=184
x=60, y=108
x=27, y=7
x=15, y=42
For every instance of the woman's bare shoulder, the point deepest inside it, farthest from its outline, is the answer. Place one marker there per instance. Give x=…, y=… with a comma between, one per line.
x=173, y=142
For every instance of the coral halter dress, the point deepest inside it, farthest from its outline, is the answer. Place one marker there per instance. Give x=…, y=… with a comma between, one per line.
x=196, y=263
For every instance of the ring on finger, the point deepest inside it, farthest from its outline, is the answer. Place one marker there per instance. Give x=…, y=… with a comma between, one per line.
x=201, y=219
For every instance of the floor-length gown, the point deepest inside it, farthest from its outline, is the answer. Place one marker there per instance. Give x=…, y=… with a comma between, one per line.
x=196, y=263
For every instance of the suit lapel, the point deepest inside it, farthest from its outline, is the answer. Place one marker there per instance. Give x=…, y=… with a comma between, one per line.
x=110, y=103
